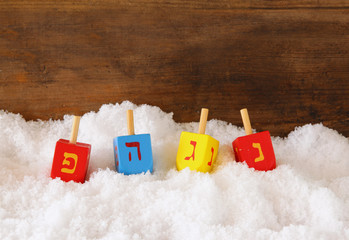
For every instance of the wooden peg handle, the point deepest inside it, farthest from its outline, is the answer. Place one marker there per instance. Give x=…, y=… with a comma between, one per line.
x=203, y=120
x=246, y=121
x=130, y=123
x=75, y=130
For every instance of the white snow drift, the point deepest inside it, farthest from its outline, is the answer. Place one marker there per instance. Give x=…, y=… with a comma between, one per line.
x=305, y=197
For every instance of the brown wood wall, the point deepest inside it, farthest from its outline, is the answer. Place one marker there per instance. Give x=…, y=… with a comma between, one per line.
x=287, y=62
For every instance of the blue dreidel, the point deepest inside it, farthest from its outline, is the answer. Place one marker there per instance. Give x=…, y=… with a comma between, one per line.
x=133, y=153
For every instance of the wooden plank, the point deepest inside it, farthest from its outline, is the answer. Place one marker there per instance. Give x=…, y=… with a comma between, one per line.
x=289, y=67
x=189, y=4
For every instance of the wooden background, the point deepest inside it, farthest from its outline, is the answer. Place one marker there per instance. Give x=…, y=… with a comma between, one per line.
x=288, y=63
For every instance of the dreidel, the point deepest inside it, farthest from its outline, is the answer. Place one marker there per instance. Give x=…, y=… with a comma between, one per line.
x=197, y=151
x=133, y=153
x=254, y=149
x=71, y=158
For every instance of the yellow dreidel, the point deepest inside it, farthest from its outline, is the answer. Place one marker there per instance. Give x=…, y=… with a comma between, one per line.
x=197, y=151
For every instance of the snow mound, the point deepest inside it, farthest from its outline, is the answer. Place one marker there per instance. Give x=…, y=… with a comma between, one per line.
x=306, y=196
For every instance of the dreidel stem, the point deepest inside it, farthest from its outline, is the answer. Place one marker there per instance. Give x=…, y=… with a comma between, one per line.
x=75, y=130
x=246, y=121
x=130, y=123
x=203, y=120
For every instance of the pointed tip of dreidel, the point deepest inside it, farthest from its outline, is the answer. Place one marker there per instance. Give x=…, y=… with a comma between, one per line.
x=130, y=123
x=246, y=121
x=203, y=121
x=75, y=130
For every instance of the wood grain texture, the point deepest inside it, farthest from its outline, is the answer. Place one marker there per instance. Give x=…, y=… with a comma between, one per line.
x=288, y=64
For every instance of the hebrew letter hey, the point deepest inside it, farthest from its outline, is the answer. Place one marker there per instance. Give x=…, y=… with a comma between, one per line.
x=137, y=145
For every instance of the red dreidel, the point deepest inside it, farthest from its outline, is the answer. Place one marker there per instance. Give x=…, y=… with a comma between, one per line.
x=71, y=158
x=254, y=149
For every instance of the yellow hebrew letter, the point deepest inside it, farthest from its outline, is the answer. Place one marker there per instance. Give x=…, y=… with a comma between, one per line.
x=261, y=156
x=66, y=162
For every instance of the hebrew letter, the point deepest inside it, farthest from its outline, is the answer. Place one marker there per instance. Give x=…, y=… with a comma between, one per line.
x=137, y=145
x=210, y=163
x=70, y=160
x=261, y=156
x=116, y=156
x=193, y=154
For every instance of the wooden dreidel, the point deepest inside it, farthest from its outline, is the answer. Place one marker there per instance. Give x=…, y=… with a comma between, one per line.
x=71, y=158
x=133, y=153
x=197, y=151
x=254, y=149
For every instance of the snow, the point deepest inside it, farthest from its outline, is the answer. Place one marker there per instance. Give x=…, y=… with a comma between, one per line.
x=305, y=197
